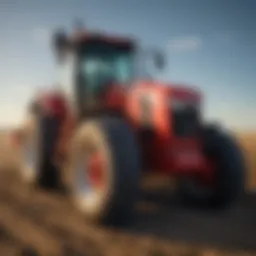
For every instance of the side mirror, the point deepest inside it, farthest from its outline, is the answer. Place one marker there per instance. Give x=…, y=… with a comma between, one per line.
x=159, y=60
x=152, y=57
x=60, y=44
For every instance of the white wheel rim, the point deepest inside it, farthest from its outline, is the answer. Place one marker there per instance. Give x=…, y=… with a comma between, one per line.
x=82, y=183
x=30, y=155
x=30, y=163
x=87, y=198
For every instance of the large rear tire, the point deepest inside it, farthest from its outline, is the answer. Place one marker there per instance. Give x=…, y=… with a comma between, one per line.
x=111, y=198
x=228, y=182
x=37, y=151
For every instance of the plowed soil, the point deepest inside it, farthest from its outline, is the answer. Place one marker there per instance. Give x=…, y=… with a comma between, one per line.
x=35, y=222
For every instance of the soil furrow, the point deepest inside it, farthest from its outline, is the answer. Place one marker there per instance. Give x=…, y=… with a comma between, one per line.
x=28, y=233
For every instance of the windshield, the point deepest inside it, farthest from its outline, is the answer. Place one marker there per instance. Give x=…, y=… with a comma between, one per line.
x=103, y=64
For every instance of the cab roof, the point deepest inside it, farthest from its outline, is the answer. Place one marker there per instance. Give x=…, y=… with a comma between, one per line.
x=80, y=37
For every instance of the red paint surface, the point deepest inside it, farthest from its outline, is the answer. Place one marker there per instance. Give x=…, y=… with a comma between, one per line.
x=164, y=152
x=96, y=170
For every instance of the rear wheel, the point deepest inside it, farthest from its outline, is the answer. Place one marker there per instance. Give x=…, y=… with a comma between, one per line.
x=103, y=173
x=37, y=151
x=227, y=179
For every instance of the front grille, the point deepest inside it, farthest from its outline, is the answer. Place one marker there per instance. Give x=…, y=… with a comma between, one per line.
x=185, y=121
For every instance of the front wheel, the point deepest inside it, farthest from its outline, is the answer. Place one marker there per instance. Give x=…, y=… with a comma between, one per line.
x=103, y=172
x=227, y=172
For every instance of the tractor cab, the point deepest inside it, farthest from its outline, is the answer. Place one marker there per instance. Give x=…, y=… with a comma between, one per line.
x=98, y=62
x=102, y=64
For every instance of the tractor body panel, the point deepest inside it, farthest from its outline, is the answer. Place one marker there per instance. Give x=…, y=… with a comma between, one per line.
x=148, y=108
x=165, y=146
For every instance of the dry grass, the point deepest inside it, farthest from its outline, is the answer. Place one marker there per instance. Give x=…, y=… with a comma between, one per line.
x=248, y=142
x=8, y=155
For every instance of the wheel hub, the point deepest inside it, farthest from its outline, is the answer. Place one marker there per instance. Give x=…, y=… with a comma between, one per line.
x=91, y=173
x=96, y=170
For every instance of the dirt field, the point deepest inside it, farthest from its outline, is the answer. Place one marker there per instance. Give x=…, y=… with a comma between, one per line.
x=248, y=141
x=37, y=222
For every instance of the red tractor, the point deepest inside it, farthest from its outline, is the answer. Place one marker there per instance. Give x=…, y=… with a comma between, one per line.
x=109, y=128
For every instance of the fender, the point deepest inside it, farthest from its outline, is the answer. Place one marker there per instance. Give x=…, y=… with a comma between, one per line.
x=54, y=104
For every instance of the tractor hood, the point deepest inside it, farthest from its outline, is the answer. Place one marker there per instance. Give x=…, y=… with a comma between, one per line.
x=176, y=91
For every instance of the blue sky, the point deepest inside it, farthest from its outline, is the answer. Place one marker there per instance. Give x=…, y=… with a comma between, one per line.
x=209, y=43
